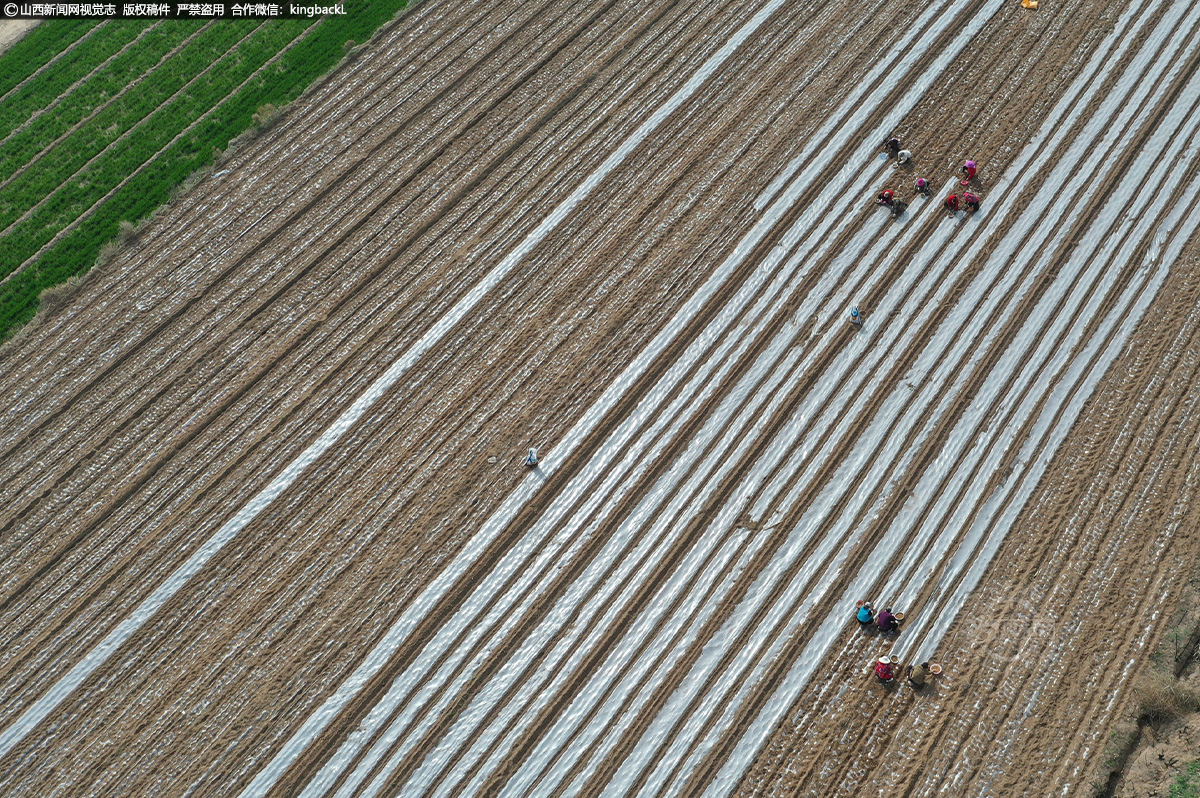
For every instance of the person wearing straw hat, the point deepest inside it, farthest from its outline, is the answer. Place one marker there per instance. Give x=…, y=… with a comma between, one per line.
x=918, y=675
x=884, y=671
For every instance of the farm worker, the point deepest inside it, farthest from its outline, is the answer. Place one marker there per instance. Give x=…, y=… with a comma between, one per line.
x=531, y=460
x=922, y=186
x=885, y=619
x=904, y=156
x=918, y=674
x=883, y=670
x=972, y=201
x=855, y=316
x=885, y=196
x=893, y=145
x=952, y=202
x=969, y=169
x=864, y=612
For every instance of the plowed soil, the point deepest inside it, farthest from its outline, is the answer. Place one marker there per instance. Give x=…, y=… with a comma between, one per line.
x=266, y=524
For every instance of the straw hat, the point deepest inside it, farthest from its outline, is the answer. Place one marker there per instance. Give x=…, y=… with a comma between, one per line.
x=885, y=660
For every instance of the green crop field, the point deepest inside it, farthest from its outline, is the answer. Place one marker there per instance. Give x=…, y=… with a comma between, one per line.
x=100, y=121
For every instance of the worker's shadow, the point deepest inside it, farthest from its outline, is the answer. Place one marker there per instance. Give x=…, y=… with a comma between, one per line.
x=538, y=472
x=928, y=690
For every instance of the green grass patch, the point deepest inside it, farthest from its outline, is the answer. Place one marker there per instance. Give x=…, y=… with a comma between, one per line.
x=1187, y=783
x=115, y=78
x=37, y=48
x=146, y=108
x=72, y=193
x=76, y=64
x=74, y=254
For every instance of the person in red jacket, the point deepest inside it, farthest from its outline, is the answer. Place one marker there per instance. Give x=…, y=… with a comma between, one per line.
x=885, y=197
x=971, y=201
x=968, y=169
x=884, y=671
x=952, y=203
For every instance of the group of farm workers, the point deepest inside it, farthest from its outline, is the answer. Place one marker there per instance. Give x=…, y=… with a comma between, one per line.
x=918, y=675
x=885, y=619
x=888, y=622
x=968, y=200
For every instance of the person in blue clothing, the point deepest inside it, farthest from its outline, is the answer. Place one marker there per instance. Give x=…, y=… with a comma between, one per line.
x=865, y=615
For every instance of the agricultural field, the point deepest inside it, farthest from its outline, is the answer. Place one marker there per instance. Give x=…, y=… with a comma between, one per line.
x=100, y=121
x=494, y=422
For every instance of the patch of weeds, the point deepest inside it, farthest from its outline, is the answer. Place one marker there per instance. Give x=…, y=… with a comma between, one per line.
x=1187, y=783
x=57, y=297
x=265, y=115
x=1162, y=698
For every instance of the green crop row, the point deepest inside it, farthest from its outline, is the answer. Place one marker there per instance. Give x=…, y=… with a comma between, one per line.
x=72, y=198
x=94, y=137
x=76, y=64
x=117, y=76
x=36, y=48
x=283, y=82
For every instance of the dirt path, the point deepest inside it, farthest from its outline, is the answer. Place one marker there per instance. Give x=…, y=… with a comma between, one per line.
x=13, y=30
x=722, y=453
